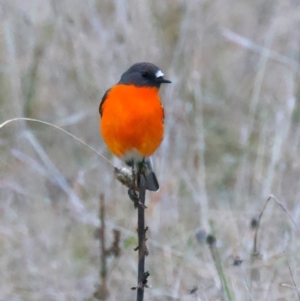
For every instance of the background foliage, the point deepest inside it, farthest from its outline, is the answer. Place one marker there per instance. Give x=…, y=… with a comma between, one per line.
x=232, y=139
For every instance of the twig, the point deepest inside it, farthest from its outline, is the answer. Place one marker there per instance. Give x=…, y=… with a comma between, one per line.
x=249, y=44
x=101, y=292
x=31, y=80
x=289, y=286
x=122, y=174
x=257, y=221
x=141, y=236
x=285, y=210
x=291, y=273
x=211, y=241
x=57, y=128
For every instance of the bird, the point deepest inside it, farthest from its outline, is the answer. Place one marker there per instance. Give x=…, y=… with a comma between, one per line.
x=132, y=118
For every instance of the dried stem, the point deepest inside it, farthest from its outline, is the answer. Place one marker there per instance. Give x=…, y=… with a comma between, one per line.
x=141, y=236
x=103, y=270
x=101, y=292
x=211, y=241
x=292, y=276
x=271, y=197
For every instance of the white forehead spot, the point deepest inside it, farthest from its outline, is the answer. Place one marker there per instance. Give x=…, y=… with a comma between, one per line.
x=159, y=74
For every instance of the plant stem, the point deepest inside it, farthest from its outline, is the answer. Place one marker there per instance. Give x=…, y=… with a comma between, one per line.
x=141, y=235
x=103, y=270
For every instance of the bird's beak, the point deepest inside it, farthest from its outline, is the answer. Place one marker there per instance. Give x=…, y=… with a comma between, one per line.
x=163, y=80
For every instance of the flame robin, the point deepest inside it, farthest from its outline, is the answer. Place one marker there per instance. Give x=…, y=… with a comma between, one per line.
x=132, y=117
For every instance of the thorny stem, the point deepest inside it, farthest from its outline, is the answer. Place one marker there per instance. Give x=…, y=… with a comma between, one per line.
x=141, y=235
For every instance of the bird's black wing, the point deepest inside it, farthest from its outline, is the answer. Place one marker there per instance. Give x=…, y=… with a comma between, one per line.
x=102, y=102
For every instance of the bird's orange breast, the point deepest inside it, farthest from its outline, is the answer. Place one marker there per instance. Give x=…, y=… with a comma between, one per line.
x=132, y=120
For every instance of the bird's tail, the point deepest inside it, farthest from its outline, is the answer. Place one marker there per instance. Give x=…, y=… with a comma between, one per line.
x=151, y=180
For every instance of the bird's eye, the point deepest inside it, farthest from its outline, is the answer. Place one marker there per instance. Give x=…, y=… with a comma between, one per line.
x=145, y=74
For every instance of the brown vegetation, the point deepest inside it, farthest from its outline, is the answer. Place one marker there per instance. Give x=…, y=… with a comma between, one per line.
x=232, y=139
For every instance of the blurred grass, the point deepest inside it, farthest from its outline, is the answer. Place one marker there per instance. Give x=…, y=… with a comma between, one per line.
x=232, y=138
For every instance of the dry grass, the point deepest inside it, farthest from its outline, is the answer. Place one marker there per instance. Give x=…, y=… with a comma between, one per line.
x=232, y=138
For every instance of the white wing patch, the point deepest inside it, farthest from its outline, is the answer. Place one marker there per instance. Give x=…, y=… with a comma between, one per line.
x=159, y=74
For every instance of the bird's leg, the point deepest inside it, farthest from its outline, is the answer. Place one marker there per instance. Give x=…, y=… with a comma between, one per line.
x=140, y=175
x=143, y=171
x=132, y=191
